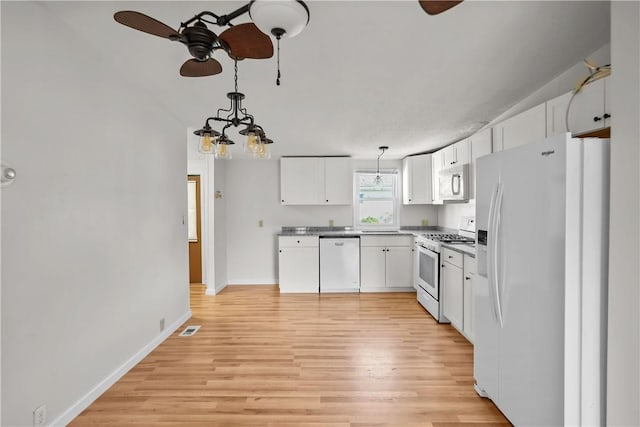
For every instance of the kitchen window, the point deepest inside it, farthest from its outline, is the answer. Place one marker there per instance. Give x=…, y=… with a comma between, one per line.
x=377, y=203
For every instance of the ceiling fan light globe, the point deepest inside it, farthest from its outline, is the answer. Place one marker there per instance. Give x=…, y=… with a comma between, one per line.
x=292, y=16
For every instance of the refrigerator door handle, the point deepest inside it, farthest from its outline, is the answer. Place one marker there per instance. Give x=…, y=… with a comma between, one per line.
x=495, y=266
x=490, y=252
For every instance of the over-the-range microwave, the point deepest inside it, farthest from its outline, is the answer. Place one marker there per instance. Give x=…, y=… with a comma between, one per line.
x=454, y=183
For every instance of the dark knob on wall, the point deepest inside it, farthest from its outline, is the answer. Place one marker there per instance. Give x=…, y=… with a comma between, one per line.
x=597, y=119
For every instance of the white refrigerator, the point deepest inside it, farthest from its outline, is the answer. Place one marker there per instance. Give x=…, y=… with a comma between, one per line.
x=542, y=215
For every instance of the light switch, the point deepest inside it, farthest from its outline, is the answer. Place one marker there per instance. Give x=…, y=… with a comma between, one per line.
x=260, y=223
x=330, y=223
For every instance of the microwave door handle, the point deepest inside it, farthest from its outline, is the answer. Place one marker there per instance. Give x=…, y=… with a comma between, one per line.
x=455, y=184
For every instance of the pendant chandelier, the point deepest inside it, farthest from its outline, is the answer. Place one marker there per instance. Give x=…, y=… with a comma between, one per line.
x=217, y=143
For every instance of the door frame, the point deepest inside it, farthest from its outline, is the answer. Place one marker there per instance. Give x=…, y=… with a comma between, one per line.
x=197, y=180
x=204, y=168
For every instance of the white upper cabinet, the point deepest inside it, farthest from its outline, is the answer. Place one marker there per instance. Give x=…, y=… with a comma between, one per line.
x=556, y=114
x=456, y=154
x=437, y=162
x=526, y=127
x=338, y=181
x=316, y=181
x=416, y=180
x=481, y=145
x=589, y=110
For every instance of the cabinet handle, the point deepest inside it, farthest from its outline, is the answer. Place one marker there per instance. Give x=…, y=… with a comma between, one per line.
x=409, y=199
x=280, y=251
x=442, y=265
x=450, y=257
x=467, y=278
x=282, y=201
x=327, y=200
x=597, y=119
x=607, y=116
x=298, y=241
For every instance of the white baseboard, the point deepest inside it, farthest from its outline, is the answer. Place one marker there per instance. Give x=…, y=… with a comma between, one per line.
x=366, y=290
x=216, y=289
x=271, y=282
x=84, y=402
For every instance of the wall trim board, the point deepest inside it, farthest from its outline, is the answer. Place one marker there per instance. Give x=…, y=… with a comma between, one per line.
x=216, y=289
x=201, y=168
x=83, y=403
x=261, y=282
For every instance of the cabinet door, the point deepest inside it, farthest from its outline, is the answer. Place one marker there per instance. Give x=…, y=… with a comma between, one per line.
x=461, y=149
x=468, y=307
x=436, y=162
x=399, y=267
x=299, y=269
x=587, y=108
x=557, y=114
x=372, y=267
x=480, y=146
x=529, y=126
x=449, y=156
x=453, y=294
x=416, y=174
x=301, y=181
x=338, y=174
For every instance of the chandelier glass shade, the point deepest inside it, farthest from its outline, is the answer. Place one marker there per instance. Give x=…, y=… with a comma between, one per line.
x=288, y=16
x=217, y=143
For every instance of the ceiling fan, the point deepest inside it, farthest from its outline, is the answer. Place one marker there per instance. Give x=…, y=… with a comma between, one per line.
x=434, y=7
x=283, y=18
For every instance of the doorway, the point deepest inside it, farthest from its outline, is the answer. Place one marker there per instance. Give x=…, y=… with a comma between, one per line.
x=195, y=229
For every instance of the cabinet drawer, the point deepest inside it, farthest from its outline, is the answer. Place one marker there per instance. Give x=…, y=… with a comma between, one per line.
x=298, y=241
x=452, y=257
x=386, y=241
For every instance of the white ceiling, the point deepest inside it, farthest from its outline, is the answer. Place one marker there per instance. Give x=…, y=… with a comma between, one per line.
x=362, y=74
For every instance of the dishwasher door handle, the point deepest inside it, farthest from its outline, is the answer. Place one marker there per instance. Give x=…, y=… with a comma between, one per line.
x=339, y=243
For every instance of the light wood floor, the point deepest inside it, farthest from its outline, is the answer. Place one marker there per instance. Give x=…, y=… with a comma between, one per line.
x=265, y=359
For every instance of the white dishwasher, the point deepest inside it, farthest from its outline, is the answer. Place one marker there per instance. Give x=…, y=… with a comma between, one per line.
x=340, y=264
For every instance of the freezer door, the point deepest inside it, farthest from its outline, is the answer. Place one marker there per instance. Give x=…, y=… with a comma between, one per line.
x=340, y=265
x=529, y=248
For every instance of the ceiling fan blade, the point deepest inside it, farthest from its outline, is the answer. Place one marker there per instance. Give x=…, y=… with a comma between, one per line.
x=195, y=68
x=434, y=7
x=141, y=22
x=247, y=41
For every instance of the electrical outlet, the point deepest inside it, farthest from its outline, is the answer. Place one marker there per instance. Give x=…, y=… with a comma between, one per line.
x=40, y=416
x=425, y=222
x=260, y=223
x=330, y=223
x=162, y=324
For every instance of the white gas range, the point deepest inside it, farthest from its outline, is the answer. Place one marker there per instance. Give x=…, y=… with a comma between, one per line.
x=428, y=248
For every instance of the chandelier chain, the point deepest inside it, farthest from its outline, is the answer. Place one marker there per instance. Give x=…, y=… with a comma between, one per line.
x=235, y=70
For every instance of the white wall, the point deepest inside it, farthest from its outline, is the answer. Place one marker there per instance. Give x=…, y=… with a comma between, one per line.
x=253, y=193
x=220, y=218
x=623, y=388
x=94, y=249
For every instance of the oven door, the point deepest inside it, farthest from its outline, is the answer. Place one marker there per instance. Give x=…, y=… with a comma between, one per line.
x=428, y=271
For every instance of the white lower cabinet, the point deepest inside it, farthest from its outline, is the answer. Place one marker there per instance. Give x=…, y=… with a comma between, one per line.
x=386, y=263
x=468, y=304
x=299, y=264
x=458, y=272
x=451, y=269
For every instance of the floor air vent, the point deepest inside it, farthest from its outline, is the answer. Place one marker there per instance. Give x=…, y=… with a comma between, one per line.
x=189, y=330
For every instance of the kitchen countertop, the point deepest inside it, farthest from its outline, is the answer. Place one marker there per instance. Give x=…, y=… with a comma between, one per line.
x=350, y=232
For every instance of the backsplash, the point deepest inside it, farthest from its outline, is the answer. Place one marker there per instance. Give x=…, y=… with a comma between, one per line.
x=449, y=215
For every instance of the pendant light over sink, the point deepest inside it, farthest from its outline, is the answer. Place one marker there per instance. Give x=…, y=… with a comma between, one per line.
x=378, y=180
